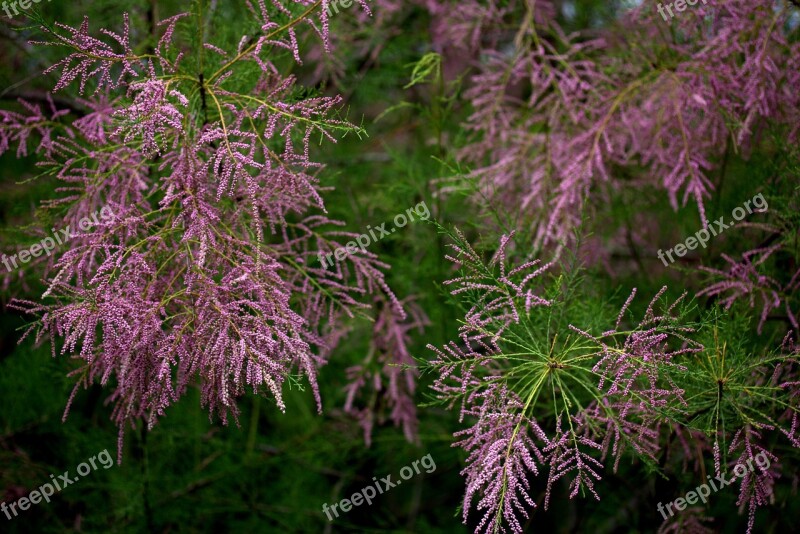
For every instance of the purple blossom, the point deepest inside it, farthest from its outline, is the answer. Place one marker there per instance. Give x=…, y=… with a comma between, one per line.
x=545, y=153
x=743, y=279
x=502, y=454
x=205, y=275
x=388, y=374
x=498, y=371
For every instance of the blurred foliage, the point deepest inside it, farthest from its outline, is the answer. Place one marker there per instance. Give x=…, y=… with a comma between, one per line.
x=273, y=472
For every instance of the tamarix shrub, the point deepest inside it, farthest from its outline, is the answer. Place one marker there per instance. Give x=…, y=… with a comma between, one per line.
x=205, y=276
x=557, y=115
x=554, y=384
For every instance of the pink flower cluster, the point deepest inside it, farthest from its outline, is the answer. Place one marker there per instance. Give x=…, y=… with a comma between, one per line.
x=205, y=277
x=556, y=114
x=545, y=397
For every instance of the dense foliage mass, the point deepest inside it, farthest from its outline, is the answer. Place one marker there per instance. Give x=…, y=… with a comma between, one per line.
x=193, y=216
